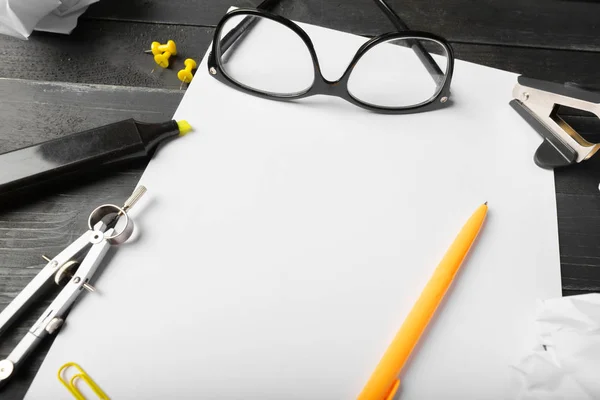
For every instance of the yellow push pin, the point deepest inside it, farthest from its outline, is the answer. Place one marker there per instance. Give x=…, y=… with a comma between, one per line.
x=157, y=48
x=162, y=53
x=185, y=75
x=162, y=59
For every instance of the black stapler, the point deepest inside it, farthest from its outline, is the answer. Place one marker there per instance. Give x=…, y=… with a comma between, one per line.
x=538, y=103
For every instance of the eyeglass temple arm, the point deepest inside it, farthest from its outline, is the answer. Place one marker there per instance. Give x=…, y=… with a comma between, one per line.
x=428, y=62
x=236, y=33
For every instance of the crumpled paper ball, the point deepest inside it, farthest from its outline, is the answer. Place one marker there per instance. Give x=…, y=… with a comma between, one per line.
x=566, y=362
x=19, y=18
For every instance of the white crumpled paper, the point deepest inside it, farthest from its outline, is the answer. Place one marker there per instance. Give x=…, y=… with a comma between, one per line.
x=566, y=364
x=19, y=18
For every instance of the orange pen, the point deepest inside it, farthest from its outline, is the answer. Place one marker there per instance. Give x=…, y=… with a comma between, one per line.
x=384, y=382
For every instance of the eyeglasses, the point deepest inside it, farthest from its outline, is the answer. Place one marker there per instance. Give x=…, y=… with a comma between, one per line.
x=398, y=72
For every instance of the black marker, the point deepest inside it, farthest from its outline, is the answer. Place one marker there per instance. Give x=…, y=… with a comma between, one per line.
x=83, y=151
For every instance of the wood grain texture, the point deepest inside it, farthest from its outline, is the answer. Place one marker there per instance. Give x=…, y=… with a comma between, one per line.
x=179, y=12
x=109, y=52
x=553, y=65
x=31, y=112
x=101, y=52
x=578, y=199
x=578, y=204
x=534, y=23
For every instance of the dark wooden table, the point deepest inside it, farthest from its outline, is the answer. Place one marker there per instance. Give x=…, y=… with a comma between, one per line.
x=52, y=85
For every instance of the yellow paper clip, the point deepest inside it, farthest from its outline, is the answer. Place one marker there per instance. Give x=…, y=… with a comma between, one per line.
x=71, y=385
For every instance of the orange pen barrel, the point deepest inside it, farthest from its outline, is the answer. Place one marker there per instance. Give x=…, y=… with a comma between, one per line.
x=384, y=382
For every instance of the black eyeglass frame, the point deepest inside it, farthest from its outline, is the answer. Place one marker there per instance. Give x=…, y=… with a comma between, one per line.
x=338, y=88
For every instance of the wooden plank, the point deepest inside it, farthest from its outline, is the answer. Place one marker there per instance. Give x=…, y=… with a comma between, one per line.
x=578, y=204
x=101, y=52
x=553, y=65
x=535, y=23
x=35, y=111
x=179, y=12
x=109, y=52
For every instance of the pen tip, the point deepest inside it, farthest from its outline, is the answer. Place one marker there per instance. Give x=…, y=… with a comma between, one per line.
x=184, y=127
x=485, y=204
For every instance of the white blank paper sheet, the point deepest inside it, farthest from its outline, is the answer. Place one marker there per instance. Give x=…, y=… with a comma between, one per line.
x=281, y=245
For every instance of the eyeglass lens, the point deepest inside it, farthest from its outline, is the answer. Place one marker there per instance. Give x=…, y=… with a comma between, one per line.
x=269, y=57
x=391, y=74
